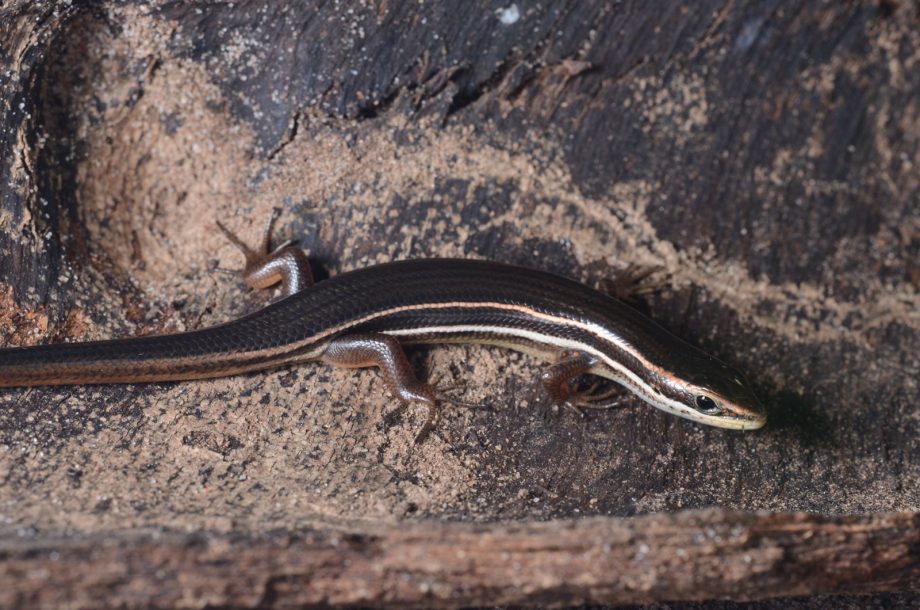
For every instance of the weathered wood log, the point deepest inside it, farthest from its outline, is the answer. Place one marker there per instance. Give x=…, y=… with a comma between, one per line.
x=686, y=556
x=763, y=156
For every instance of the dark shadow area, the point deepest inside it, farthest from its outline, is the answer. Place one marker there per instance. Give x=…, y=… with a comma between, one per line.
x=789, y=414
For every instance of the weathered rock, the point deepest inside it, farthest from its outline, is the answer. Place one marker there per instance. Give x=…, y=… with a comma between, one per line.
x=764, y=156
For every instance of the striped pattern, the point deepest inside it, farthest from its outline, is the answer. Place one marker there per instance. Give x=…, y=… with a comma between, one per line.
x=434, y=300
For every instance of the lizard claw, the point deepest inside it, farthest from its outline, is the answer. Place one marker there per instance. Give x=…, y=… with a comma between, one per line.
x=634, y=282
x=266, y=267
x=435, y=408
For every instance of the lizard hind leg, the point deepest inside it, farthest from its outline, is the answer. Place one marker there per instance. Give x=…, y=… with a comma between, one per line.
x=385, y=352
x=265, y=267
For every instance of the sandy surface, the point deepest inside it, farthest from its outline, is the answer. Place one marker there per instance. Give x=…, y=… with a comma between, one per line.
x=161, y=158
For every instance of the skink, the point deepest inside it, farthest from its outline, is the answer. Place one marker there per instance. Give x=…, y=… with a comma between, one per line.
x=362, y=319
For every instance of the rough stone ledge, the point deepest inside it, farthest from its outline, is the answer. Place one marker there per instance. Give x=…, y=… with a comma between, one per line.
x=691, y=555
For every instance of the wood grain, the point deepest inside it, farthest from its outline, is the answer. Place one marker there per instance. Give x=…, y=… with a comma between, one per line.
x=685, y=556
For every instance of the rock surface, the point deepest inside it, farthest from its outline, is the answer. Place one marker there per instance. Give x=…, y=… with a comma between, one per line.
x=763, y=157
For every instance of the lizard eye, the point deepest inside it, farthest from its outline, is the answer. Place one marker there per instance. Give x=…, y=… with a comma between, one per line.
x=707, y=405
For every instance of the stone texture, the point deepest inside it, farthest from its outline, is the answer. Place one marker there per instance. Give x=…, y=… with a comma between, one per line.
x=763, y=156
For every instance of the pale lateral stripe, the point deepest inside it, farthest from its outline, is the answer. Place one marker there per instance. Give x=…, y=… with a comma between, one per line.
x=641, y=389
x=590, y=327
x=644, y=390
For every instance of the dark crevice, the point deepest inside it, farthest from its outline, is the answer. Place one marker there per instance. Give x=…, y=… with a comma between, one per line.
x=464, y=99
x=288, y=137
x=379, y=107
